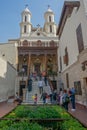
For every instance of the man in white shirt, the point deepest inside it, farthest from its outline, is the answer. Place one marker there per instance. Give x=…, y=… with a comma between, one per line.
x=40, y=85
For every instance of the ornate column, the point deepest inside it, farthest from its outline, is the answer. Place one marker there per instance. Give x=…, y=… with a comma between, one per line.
x=45, y=62
x=29, y=60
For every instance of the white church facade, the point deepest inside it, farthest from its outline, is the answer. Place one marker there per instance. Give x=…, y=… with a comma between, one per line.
x=35, y=51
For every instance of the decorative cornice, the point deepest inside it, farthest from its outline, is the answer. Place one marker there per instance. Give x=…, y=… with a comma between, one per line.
x=85, y=6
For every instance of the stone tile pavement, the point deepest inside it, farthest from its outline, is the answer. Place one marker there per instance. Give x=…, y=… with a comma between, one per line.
x=6, y=107
x=80, y=113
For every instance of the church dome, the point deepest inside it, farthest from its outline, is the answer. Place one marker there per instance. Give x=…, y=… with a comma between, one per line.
x=49, y=10
x=26, y=10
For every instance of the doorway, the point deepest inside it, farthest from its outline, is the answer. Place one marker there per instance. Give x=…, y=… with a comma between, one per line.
x=22, y=86
x=85, y=79
x=85, y=88
x=37, y=68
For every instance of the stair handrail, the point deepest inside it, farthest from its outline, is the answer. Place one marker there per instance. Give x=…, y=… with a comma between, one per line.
x=50, y=84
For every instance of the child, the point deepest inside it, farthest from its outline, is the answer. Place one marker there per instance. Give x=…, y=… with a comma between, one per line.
x=35, y=99
x=17, y=98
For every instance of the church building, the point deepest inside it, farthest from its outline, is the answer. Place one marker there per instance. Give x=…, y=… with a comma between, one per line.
x=61, y=52
x=35, y=51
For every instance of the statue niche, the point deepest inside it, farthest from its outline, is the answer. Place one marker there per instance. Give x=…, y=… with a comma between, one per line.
x=37, y=65
x=49, y=66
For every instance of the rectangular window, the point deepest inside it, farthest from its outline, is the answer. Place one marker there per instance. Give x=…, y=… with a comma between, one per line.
x=49, y=18
x=50, y=29
x=60, y=63
x=24, y=28
x=77, y=85
x=67, y=80
x=79, y=38
x=65, y=57
x=25, y=18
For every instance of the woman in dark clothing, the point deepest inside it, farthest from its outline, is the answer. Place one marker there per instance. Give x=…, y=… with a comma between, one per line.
x=72, y=97
x=44, y=96
x=65, y=99
x=30, y=84
x=45, y=80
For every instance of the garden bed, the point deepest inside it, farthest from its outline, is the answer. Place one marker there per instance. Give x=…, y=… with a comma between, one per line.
x=44, y=117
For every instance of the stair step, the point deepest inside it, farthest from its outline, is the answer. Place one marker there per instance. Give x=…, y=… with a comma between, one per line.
x=35, y=90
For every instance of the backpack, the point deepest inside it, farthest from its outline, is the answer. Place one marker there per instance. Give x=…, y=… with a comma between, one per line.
x=67, y=99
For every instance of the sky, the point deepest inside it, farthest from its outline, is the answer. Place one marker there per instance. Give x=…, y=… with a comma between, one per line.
x=10, y=15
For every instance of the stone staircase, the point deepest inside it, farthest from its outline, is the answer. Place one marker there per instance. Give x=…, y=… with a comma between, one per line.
x=35, y=90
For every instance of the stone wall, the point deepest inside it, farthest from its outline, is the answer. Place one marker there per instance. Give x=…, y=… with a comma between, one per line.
x=7, y=80
x=8, y=51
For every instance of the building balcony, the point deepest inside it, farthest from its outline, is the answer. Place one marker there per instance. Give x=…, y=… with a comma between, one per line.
x=38, y=44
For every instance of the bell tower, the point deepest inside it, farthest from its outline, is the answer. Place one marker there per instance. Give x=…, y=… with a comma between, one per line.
x=49, y=26
x=25, y=25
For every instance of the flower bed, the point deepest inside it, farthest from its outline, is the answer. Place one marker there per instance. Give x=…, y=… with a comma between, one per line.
x=39, y=118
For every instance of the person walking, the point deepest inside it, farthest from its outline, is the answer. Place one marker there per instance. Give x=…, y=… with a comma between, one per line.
x=35, y=99
x=29, y=84
x=45, y=80
x=40, y=85
x=43, y=97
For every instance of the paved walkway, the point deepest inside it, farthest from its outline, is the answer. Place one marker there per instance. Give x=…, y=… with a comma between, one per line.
x=6, y=107
x=80, y=113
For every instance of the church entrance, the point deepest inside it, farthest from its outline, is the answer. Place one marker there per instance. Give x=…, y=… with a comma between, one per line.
x=37, y=68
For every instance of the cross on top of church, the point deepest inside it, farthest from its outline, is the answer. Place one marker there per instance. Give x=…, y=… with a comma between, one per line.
x=48, y=6
x=26, y=5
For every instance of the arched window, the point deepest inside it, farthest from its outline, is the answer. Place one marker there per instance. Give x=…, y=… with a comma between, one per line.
x=50, y=28
x=49, y=18
x=25, y=18
x=25, y=28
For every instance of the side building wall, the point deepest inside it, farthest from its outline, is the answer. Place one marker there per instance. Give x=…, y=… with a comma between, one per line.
x=72, y=74
x=7, y=80
x=9, y=52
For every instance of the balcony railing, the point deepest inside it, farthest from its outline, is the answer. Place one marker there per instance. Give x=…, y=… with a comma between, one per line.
x=38, y=44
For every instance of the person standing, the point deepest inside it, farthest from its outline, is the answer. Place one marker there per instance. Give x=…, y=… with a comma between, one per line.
x=65, y=99
x=60, y=96
x=17, y=98
x=72, y=97
x=54, y=97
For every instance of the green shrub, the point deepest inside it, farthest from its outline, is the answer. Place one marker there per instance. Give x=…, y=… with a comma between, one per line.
x=72, y=124
x=24, y=113
x=22, y=126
